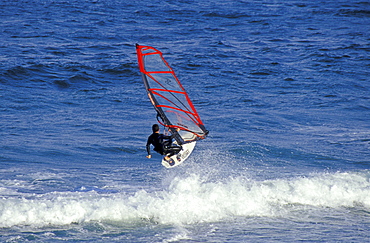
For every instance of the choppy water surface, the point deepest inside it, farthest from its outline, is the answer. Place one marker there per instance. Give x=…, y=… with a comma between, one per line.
x=283, y=87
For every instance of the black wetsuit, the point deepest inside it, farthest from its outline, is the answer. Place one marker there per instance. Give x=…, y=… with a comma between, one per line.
x=162, y=144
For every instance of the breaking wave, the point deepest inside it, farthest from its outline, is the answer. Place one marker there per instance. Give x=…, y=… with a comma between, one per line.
x=190, y=200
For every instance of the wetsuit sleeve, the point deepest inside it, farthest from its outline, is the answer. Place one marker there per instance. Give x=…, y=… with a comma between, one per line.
x=169, y=137
x=148, y=146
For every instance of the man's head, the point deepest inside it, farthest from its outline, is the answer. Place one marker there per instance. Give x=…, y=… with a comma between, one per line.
x=155, y=128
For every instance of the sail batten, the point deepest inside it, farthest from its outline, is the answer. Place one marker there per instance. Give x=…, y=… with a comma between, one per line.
x=169, y=97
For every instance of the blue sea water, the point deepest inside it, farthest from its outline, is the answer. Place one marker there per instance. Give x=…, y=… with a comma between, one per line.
x=282, y=86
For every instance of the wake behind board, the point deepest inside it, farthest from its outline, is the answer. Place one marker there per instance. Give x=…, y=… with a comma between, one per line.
x=179, y=158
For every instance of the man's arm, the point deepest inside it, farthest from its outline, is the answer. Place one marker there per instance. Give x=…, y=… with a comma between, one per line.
x=148, y=149
x=172, y=134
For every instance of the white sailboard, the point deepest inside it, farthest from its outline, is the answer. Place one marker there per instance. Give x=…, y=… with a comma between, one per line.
x=177, y=159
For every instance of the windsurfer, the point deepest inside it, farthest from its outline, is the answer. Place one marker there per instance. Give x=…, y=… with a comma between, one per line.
x=162, y=144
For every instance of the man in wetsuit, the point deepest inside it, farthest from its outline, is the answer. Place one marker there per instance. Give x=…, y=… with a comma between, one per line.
x=162, y=144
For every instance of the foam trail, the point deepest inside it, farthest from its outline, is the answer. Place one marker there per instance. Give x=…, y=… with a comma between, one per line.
x=196, y=201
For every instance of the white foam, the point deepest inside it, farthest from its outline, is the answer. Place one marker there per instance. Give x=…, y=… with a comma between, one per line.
x=189, y=200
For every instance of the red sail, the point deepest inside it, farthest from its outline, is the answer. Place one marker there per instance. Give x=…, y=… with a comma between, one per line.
x=168, y=96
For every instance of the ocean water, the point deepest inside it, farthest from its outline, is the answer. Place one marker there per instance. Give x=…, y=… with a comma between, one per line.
x=282, y=86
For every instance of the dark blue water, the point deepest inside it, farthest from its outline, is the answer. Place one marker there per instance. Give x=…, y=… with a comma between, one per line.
x=282, y=86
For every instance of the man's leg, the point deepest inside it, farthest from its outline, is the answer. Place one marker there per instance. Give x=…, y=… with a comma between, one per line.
x=173, y=150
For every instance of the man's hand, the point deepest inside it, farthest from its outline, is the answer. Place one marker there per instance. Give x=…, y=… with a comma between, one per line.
x=149, y=156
